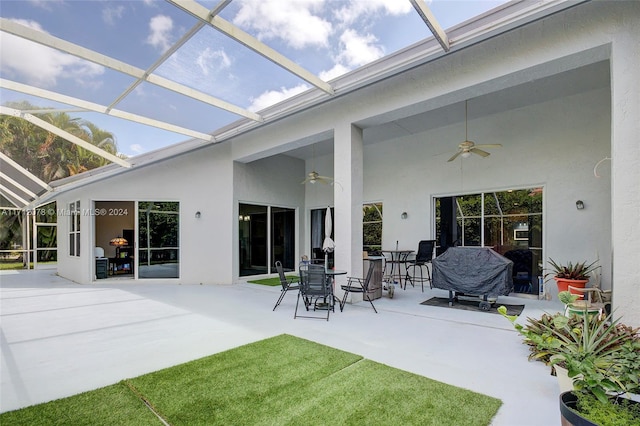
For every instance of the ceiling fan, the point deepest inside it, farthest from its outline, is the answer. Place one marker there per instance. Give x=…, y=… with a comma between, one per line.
x=313, y=176
x=466, y=148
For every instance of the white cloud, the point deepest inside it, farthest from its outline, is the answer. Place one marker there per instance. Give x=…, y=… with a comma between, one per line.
x=291, y=21
x=46, y=4
x=272, y=97
x=355, y=9
x=336, y=71
x=209, y=60
x=160, y=27
x=359, y=49
x=111, y=14
x=136, y=149
x=40, y=65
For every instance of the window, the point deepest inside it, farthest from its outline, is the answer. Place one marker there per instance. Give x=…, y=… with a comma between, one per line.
x=510, y=222
x=266, y=234
x=74, y=228
x=318, y=217
x=372, y=227
x=158, y=239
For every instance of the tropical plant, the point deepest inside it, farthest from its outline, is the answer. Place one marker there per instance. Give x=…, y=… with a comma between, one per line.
x=602, y=355
x=47, y=155
x=572, y=271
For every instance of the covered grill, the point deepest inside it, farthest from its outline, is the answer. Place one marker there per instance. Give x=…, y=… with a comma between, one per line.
x=477, y=271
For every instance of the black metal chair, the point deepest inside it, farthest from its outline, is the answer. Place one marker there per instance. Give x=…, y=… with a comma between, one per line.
x=522, y=266
x=359, y=286
x=315, y=290
x=422, y=260
x=286, y=283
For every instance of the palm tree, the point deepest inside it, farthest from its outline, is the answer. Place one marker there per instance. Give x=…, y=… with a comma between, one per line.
x=48, y=155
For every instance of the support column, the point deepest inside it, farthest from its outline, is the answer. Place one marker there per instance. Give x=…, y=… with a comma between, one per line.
x=347, y=193
x=625, y=175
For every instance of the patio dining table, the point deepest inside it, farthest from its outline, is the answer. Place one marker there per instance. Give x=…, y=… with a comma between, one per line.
x=397, y=258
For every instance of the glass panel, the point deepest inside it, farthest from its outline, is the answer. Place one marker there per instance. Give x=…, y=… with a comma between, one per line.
x=47, y=241
x=470, y=228
x=77, y=216
x=252, y=229
x=469, y=205
x=372, y=228
x=317, y=236
x=512, y=227
x=72, y=222
x=158, y=231
x=283, y=237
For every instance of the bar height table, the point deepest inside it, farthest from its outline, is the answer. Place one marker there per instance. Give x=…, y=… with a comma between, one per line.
x=397, y=258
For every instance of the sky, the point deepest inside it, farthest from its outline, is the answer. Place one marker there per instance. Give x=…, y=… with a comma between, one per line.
x=326, y=37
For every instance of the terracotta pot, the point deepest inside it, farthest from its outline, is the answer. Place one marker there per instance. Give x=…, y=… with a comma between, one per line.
x=563, y=284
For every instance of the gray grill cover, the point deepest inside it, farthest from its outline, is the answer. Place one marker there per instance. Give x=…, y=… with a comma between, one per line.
x=473, y=270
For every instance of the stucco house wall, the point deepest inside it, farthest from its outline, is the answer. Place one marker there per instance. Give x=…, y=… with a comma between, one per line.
x=553, y=141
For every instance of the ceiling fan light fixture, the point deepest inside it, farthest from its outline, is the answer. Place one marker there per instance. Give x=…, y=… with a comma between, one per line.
x=466, y=154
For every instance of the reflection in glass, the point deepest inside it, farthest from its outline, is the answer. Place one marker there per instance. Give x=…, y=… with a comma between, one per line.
x=252, y=228
x=158, y=239
x=510, y=222
x=283, y=243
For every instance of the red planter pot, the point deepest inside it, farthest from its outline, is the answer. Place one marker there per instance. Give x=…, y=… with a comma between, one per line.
x=563, y=284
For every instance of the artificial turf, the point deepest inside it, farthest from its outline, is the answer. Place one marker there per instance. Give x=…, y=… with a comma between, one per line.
x=282, y=380
x=274, y=281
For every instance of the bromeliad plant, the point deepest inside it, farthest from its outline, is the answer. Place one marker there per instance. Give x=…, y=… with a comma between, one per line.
x=572, y=271
x=602, y=355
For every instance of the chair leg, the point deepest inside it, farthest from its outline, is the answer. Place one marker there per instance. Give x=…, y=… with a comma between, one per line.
x=295, y=314
x=369, y=299
x=344, y=300
x=282, y=293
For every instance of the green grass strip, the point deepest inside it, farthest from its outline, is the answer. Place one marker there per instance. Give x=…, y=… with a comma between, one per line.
x=275, y=281
x=283, y=380
x=111, y=405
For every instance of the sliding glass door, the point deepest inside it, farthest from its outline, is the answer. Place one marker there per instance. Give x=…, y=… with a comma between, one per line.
x=266, y=235
x=158, y=239
x=510, y=222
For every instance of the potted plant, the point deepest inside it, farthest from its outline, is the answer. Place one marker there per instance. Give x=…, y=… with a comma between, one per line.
x=571, y=274
x=602, y=357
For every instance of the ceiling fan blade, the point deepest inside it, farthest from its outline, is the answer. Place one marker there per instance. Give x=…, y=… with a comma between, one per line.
x=454, y=156
x=480, y=152
x=489, y=145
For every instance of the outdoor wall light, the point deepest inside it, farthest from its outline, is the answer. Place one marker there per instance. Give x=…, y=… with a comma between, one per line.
x=579, y=205
x=404, y=215
x=198, y=214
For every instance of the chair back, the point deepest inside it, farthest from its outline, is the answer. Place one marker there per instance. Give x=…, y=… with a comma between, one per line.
x=425, y=251
x=283, y=280
x=367, y=279
x=313, y=281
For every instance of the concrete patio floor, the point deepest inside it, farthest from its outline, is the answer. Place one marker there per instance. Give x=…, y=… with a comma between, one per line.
x=59, y=338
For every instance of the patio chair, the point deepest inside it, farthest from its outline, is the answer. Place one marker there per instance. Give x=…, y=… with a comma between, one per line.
x=285, y=283
x=315, y=290
x=522, y=267
x=358, y=285
x=422, y=260
x=591, y=300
